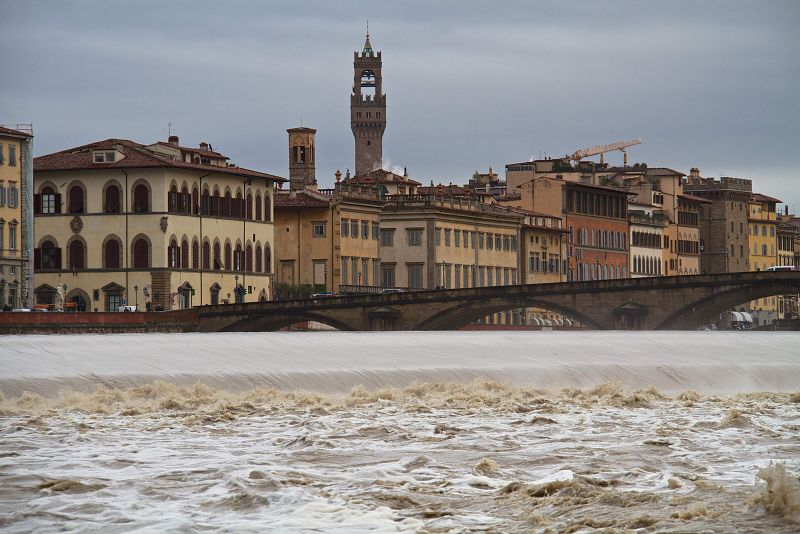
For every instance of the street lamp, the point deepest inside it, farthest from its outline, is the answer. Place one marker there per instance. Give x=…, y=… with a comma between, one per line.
x=325, y=271
x=136, y=292
x=236, y=293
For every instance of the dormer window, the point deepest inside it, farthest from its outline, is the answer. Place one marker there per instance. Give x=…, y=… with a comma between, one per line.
x=105, y=157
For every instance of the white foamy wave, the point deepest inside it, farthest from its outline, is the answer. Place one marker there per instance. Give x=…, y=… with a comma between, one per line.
x=673, y=362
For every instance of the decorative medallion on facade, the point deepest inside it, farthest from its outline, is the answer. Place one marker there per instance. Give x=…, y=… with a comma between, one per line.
x=164, y=224
x=76, y=224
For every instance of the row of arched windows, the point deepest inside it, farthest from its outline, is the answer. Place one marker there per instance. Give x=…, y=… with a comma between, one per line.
x=645, y=239
x=601, y=238
x=646, y=265
x=179, y=256
x=219, y=257
x=596, y=271
x=212, y=203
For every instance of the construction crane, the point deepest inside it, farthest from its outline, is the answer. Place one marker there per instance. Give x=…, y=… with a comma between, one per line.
x=602, y=149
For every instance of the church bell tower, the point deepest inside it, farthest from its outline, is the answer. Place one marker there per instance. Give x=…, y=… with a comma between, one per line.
x=367, y=109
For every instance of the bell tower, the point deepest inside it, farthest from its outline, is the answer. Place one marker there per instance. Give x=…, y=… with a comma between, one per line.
x=302, y=172
x=367, y=109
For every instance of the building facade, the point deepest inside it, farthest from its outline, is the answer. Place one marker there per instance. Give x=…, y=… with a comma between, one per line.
x=160, y=226
x=367, y=109
x=16, y=219
x=763, y=219
x=724, y=227
x=596, y=219
x=429, y=242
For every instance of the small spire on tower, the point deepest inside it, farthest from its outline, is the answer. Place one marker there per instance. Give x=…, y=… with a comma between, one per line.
x=367, y=44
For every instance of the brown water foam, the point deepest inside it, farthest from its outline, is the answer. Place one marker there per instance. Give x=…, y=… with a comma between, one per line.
x=164, y=396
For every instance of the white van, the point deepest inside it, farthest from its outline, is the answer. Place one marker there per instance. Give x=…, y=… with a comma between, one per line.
x=780, y=268
x=127, y=308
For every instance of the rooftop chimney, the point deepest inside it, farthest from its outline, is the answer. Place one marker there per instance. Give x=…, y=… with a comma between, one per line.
x=173, y=140
x=694, y=172
x=204, y=145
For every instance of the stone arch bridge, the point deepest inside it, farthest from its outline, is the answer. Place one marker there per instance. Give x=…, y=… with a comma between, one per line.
x=661, y=303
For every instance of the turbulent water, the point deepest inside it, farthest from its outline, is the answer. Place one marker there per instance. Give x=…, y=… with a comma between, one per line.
x=467, y=432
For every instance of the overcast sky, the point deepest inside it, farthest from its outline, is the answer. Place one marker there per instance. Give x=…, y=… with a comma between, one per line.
x=469, y=84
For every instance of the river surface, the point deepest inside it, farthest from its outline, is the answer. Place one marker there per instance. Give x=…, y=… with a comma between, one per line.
x=401, y=432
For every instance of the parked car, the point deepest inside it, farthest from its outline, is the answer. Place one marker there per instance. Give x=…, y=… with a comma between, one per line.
x=127, y=308
x=781, y=268
x=391, y=291
x=324, y=295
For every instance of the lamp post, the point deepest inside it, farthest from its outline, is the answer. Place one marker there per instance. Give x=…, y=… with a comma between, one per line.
x=136, y=293
x=237, y=295
x=64, y=304
x=597, y=262
x=325, y=271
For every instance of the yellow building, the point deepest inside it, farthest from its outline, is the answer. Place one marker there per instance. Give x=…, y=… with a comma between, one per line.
x=763, y=220
x=15, y=216
x=161, y=226
x=326, y=239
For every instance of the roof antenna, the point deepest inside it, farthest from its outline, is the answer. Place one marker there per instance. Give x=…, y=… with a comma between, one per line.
x=169, y=129
x=367, y=28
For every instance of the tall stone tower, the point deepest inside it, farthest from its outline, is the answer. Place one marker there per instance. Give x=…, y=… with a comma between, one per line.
x=367, y=109
x=302, y=171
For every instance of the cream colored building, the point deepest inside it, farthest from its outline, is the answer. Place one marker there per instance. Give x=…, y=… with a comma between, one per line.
x=161, y=226
x=429, y=242
x=16, y=220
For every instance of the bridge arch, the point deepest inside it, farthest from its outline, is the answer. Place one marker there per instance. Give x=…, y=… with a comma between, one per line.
x=705, y=309
x=462, y=314
x=271, y=323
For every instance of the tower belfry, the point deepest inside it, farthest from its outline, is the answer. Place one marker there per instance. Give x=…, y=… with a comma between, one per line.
x=367, y=109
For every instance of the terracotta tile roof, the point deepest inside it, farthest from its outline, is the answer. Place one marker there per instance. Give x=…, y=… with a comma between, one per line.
x=601, y=187
x=302, y=199
x=15, y=133
x=758, y=197
x=515, y=195
x=137, y=156
x=663, y=171
x=379, y=176
x=193, y=150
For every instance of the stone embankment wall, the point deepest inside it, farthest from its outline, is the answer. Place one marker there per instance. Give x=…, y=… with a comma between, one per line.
x=97, y=322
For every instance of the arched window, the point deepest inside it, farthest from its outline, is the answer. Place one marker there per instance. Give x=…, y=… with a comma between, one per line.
x=77, y=255
x=49, y=256
x=195, y=254
x=258, y=258
x=172, y=199
x=141, y=254
x=48, y=201
x=228, y=259
x=76, y=204
x=249, y=207
x=605, y=272
x=185, y=200
x=195, y=201
x=112, y=199
x=217, y=257
x=215, y=204
x=238, y=206
x=267, y=259
x=141, y=199
x=258, y=206
x=111, y=254
x=227, y=209
x=238, y=263
x=206, y=255
x=185, y=253
x=205, y=203
x=173, y=254
x=267, y=208
x=248, y=260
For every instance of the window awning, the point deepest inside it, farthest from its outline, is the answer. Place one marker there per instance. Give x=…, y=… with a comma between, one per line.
x=736, y=316
x=747, y=317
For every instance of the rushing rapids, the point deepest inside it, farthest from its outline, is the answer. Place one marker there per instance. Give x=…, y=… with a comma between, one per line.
x=588, y=432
